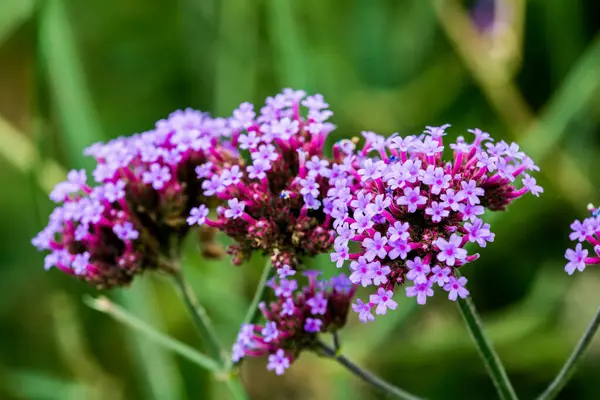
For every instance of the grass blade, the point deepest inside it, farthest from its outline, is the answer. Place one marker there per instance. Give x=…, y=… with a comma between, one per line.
x=35, y=385
x=17, y=149
x=577, y=92
x=236, y=57
x=12, y=14
x=156, y=368
x=58, y=53
x=292, y=62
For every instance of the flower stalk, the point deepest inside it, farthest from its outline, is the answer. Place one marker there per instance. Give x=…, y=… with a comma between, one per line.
x=104, y=305
x=491, y=360
x=208, y=334
x=200, y=318
x=366, y=376
x=258, y=295
x=573, y=362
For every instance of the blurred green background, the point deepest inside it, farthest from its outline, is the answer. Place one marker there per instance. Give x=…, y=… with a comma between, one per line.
x=75, y=72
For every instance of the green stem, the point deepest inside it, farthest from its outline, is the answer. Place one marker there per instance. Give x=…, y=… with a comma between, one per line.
x=336, y=342
x=486, y=350
x=209, y=335
x=258, y=295
x=200, y=318
x=366, y=376
x=104, y=305
x=252, y=312
x=572, y=363
x=237, y=390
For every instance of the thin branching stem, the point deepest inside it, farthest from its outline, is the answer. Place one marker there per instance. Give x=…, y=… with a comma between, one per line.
x=486, y=350
x=365, y=375
x=258, y=294
x=209, y=335
x=104, y=305
x=574, y=360
x=200, y=318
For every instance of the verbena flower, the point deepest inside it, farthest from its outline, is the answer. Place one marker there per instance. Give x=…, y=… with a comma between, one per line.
x=133, y=218
x=402, y=213
x=295, y=318
x=273, y=195
x=584, y=231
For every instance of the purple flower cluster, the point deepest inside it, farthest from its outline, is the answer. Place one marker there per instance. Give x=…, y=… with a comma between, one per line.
x=266, y=172
x=588, y=231
x=412, y=213
x=147, y=187
x=295, y=318
x=272, y=195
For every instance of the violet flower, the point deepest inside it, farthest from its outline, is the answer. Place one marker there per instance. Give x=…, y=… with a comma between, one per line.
x=584, y=231
x=147, y=187
x=411, y=212
x=275, y=199
x=295, y=318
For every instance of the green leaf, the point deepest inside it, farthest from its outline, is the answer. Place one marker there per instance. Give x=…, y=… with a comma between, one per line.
x=236, y=60
x=574, y=96
x=73, y=350
x=35, y=385
x=17, y=149
x=156, y=368
x=78, y=123
x=12, y=14
x=292, y=61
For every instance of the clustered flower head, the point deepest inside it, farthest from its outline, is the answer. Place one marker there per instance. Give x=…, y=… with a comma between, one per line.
x=409, y=213
x=146, y=188
x=272, y=194
x=588, y=231
x=295, y=318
